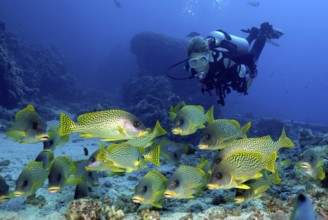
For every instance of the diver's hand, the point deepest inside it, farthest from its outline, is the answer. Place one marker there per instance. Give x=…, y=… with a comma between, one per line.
x=200, y=75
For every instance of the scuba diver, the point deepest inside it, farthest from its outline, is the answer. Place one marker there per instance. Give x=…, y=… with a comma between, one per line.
x=223, y=62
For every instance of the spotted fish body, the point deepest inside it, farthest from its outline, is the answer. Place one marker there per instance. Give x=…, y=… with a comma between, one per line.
x=190, y=118
x=185, y=182
x=31, y=179
x=220, y=132
x=150, y=189
x=128, y=157
x=110, y=125
x=264, y=145
x=237, y=168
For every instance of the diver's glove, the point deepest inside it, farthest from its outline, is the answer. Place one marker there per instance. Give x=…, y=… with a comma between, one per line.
x=270, y=32
x=200, y=75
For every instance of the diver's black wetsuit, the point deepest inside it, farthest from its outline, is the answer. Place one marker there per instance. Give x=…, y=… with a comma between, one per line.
x=223, y=79
x=220, y=78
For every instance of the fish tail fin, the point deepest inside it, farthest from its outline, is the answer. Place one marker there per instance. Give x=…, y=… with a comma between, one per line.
x=159, y=131
x=245, y=128
x=210, y=115
x=153, y=155
x=284, y=140
x=66, y=125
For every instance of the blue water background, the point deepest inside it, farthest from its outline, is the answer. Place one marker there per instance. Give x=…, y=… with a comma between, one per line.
x=94, y=34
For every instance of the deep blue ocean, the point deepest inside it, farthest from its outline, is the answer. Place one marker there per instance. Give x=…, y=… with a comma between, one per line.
x=292, y=80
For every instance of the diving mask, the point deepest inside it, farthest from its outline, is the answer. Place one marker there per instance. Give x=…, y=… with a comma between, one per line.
x=198, y=61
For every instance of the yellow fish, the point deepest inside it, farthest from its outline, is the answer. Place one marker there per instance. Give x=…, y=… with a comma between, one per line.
x=31, y=179
x=110, y=125
x=311, y=163
x=28, y=127
x=150, y=189
x=128, y=157
x=185, y=182
x=237, y=168
x=60, y=174
x=264, y=145
x=190, y=118
x=220, y=132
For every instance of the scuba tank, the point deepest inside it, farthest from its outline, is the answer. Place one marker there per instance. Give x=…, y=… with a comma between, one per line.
x=223, y=41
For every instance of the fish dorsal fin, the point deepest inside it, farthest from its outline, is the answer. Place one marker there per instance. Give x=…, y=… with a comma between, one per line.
x=234, y=123
x=210, y=115
x=267, y=137
x=245, y=128
x=28, y=109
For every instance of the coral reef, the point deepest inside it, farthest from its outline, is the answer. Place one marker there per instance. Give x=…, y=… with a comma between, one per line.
x=308, y=138
x=84, y=209
x=147, y=214
x=29, y=72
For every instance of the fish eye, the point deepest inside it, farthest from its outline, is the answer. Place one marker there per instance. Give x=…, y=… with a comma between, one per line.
x=180, y=121
x=25, y=183
x=217, y=160
x=144, y=189
x=176, y=183
x=35, y=126
x=311, y=158
x=207, y=137
x=58, y=177
x=219, y=176
x=136, y=124
x=92, y=159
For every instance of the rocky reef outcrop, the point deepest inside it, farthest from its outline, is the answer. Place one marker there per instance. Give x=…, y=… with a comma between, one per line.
x=29, y=72
x=155, y=52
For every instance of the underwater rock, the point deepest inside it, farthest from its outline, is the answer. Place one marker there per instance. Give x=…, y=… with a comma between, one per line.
x=155, y=52
x=39, y=201
x=28, y=72
x=4, y=163
x=83, y=209
x=308, y=138
x=148, y=98
x=269, y=126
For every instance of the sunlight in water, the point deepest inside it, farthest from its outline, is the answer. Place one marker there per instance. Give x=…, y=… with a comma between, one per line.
x=192, y=7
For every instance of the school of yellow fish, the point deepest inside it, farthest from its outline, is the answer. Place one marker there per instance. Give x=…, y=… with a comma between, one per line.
x=248, y=164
